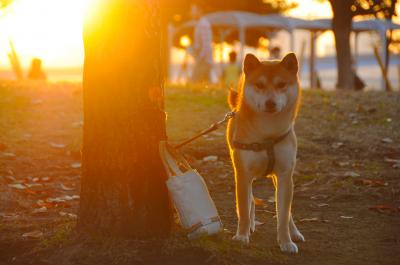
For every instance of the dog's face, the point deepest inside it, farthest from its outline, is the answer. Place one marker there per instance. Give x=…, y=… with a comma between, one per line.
x=270, y=87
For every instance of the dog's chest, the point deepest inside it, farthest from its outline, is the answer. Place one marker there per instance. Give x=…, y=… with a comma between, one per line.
x=254, y=163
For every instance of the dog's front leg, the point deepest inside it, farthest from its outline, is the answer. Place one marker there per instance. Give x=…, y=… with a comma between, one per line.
x=243, y=204
x=284, y=196
x=294, y=232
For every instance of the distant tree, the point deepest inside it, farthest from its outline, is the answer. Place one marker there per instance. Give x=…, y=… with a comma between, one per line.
x=123, y=191
x=343, y=13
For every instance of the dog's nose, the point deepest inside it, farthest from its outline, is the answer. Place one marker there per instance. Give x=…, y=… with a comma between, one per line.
x=270, y=106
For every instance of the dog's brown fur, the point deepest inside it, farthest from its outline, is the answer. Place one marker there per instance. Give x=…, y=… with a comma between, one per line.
x=266, y=106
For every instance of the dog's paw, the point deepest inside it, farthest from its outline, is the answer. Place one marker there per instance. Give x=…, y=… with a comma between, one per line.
x=297, y=236
x=289, y=247
x=244, y=239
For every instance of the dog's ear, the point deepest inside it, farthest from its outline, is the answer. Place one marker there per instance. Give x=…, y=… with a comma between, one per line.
x=250, y=63
x=233, y=98
x=290, y=63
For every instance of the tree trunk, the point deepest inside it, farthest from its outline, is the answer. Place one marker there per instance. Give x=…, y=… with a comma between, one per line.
x=341, y=25
x=123, y=188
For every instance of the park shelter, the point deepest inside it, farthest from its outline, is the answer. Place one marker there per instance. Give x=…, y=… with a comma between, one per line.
x=227, y=21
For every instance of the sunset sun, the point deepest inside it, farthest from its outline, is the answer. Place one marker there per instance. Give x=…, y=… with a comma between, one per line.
x=47, y=29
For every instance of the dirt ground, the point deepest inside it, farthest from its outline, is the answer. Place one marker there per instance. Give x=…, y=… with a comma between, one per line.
x=347, y=181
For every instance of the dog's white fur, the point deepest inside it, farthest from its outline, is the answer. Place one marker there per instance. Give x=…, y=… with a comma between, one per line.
x=253, y=123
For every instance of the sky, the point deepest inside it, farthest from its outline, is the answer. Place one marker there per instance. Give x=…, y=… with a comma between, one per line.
x=48, y=29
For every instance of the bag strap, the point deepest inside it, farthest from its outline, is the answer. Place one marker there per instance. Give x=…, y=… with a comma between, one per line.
x=172, y=160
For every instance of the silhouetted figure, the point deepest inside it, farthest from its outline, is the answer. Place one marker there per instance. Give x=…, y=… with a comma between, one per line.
x=36, y=72
x=275, y=53
x=231, y=72
x=201, y=49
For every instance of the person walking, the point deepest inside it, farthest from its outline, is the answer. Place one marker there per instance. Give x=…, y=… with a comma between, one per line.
x=202, y=47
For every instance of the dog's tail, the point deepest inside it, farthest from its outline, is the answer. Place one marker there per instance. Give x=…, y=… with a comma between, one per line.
x=233, y=98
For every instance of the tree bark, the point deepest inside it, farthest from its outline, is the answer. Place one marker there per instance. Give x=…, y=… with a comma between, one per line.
x=123, y=190
x=341, y=25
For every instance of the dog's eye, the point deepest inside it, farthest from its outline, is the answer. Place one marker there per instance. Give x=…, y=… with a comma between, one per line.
x=281, y=85
x=259, y=85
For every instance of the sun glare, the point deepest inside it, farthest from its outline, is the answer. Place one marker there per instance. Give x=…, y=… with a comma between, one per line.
x=185, y=41
x=47, y=29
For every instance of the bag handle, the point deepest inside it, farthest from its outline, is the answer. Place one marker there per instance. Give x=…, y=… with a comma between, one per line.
x=169, y=158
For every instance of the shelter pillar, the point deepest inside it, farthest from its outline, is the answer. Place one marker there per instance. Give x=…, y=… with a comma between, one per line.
x=291, y=40
x=312, y=59
x=242, y=39
x=355, y=58
x=383, y=37
x=170, y=40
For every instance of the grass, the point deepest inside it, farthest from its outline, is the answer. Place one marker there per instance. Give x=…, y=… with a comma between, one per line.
x=60, y=235
x=358, y=120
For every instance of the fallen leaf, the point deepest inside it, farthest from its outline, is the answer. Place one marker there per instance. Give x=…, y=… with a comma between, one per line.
x=318, y=197
x=76, y=165
x=385, y=208
x=258, y=202
x=36, y=192
x=258, y=223
x=45, y=179
x=18, y=186
x=395, y=162
x=210, y=158
x=56, y=145
x=42, y=209
x=346, y=217
x=227, y=231
x=33, y=234
x=70, y=215
x=322, y=204
x=314, y=219
x=33, y=185
x=352, y=115
x=391, y=161
x=59, y=199
x=77, y=124
x=309, y=183
x=351, y=174
x=36, y=101
x=342, y=164
x=9, y=215
x=27, y=135
x=63, y=198
x=218, y=133
x=370, y=182
x=10, y=179
x=387, y=140
x=63, y=187
x=224, y=176
x=8, y=155
x=337, y=145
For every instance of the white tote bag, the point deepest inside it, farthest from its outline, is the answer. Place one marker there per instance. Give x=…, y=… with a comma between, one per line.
x=196, y=209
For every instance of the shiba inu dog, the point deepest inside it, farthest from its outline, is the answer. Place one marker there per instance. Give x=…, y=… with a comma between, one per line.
x=262, y=142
